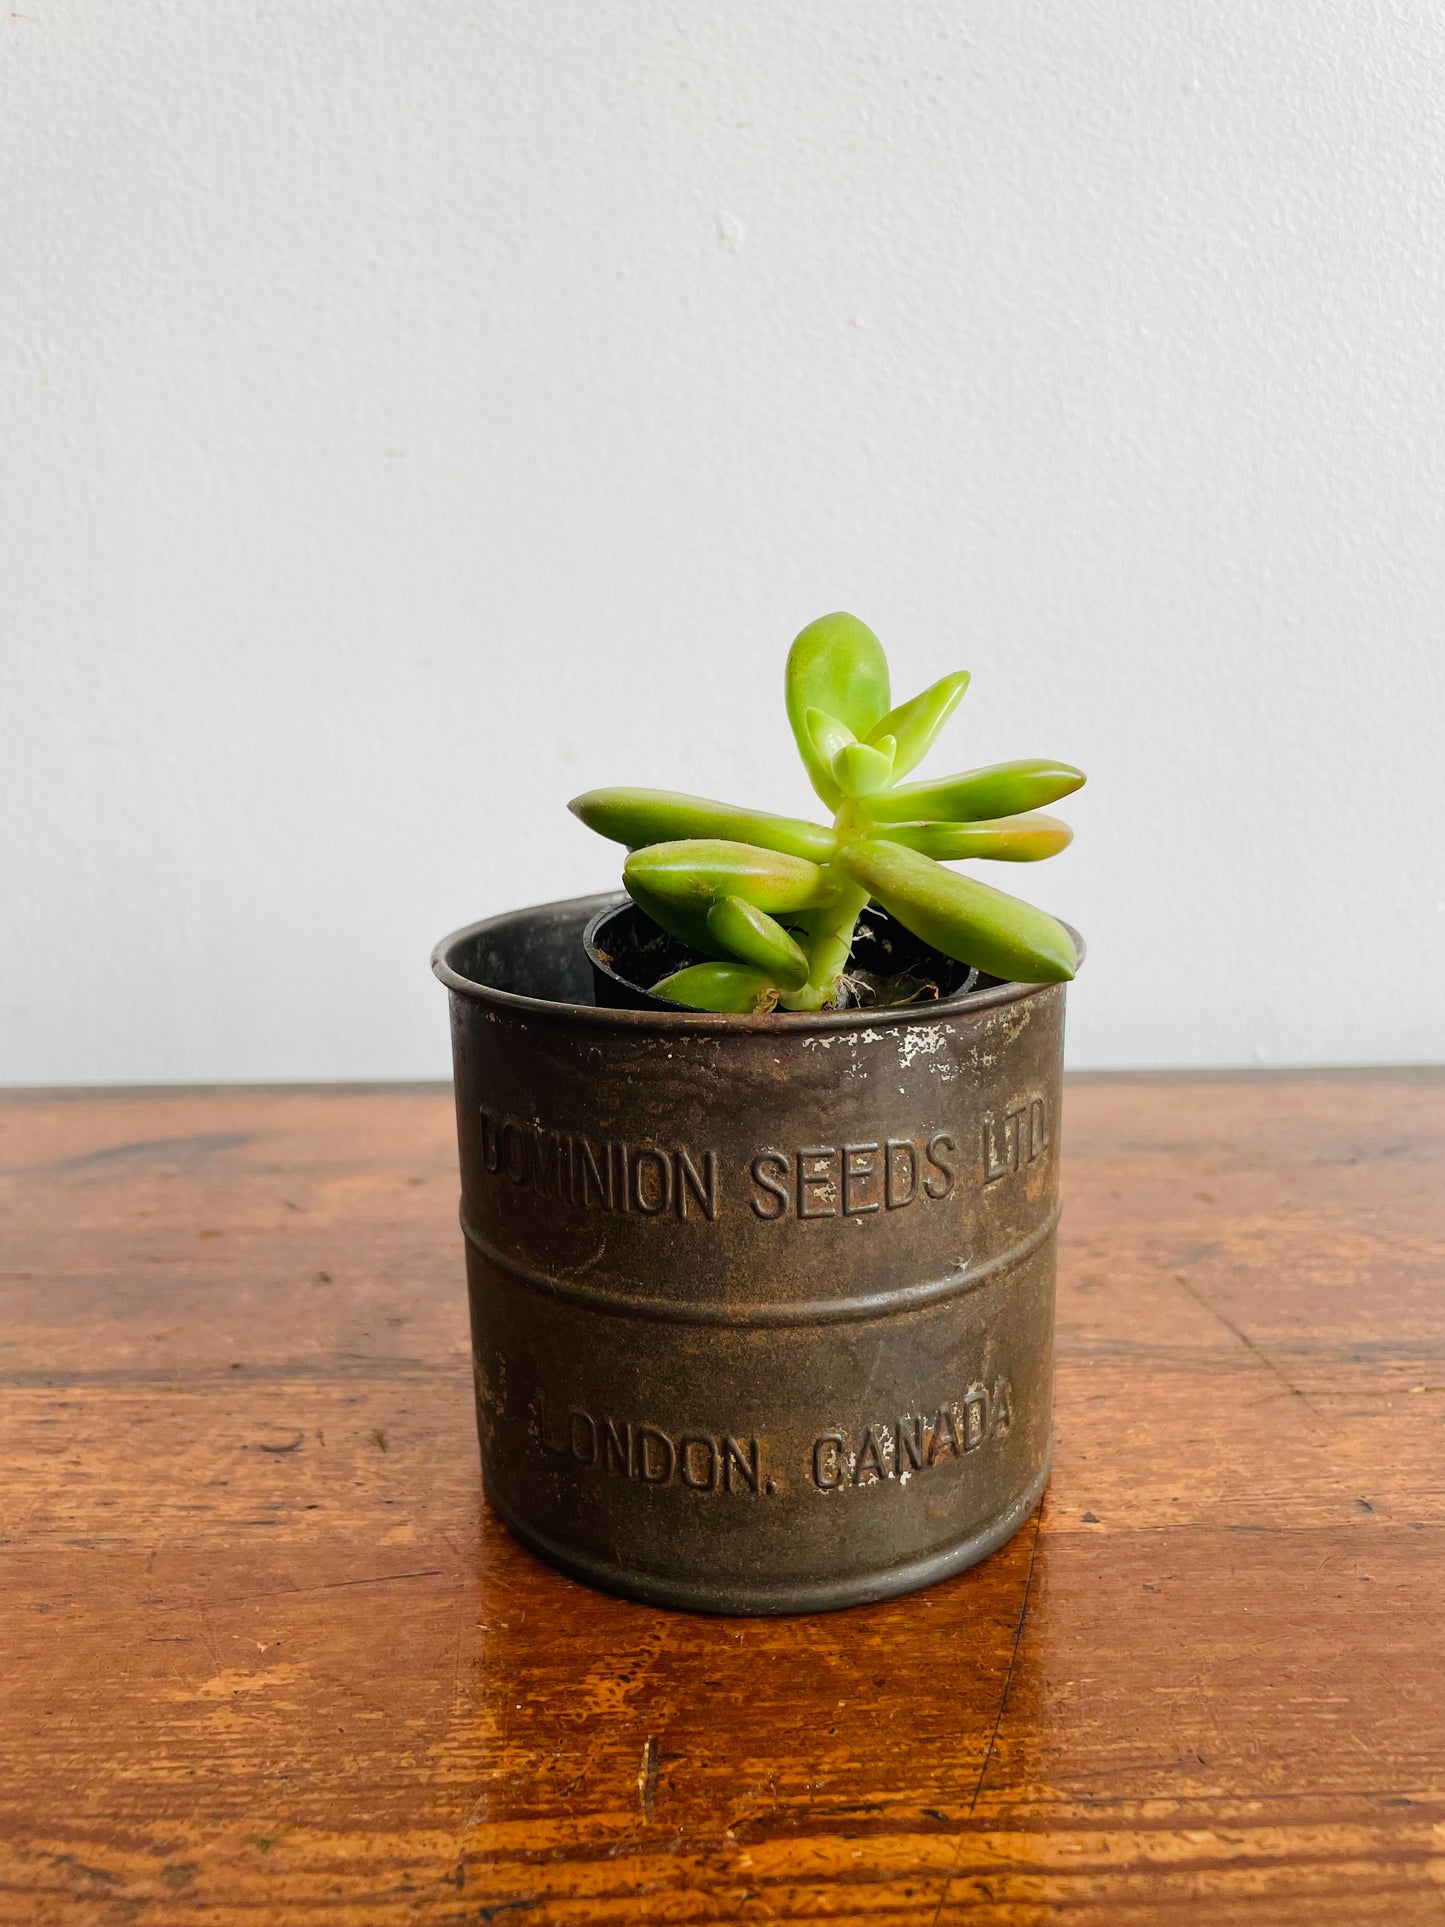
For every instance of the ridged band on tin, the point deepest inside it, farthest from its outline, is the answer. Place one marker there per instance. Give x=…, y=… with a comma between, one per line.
x=823, y=1311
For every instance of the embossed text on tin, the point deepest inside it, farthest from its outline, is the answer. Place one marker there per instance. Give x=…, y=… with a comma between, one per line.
x=1018, y=1138
x=605, y=1174
x=912, y=1443
x=702, y=1461
x=656, y=1181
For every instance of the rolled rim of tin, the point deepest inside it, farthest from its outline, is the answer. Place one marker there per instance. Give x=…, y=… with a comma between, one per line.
x=581, y=910
x=784, y=1597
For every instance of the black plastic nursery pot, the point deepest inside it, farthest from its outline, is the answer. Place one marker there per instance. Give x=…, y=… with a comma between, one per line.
x=762, y=1307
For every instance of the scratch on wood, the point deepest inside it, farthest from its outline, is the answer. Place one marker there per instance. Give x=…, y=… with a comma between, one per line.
x=647, y=1779
x=336, y=1585
x=1002, y=1703
x=1245, y=1340
x=1012, y=1658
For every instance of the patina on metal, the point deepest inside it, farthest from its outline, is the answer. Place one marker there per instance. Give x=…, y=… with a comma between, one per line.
x=762, y=1307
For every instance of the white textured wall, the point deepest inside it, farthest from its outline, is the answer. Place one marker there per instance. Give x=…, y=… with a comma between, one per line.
x=412, y=415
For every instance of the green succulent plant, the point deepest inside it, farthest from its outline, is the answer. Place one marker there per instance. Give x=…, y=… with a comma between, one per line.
x=771, y=901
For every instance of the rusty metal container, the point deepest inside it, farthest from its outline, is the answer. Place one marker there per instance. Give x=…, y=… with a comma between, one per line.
x=762, y=1307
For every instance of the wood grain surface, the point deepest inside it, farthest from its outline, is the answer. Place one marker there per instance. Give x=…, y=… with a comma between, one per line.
x=268, y=1659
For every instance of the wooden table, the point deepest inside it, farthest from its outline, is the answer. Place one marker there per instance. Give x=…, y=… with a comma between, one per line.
x=268, y=1659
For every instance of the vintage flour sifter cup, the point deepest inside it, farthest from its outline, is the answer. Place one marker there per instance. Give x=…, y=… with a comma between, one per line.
x=762, y=1307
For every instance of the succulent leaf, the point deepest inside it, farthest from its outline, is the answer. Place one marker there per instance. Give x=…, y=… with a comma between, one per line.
x=1002, y=789
x=963, y=918
x=686, y=921
x=827, y=736
x=1002, y=839
x=720, y=986
x=752, y=936
x=837, y=665
x=700, y=871
x=916, y=723
x=861, y=769
x=638, y=817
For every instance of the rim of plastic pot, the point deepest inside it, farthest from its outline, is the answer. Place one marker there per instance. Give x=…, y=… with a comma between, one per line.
x=636, y=996
x=778, y=1022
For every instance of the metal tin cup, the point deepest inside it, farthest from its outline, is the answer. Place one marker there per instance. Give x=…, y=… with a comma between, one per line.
x=762, y=1307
